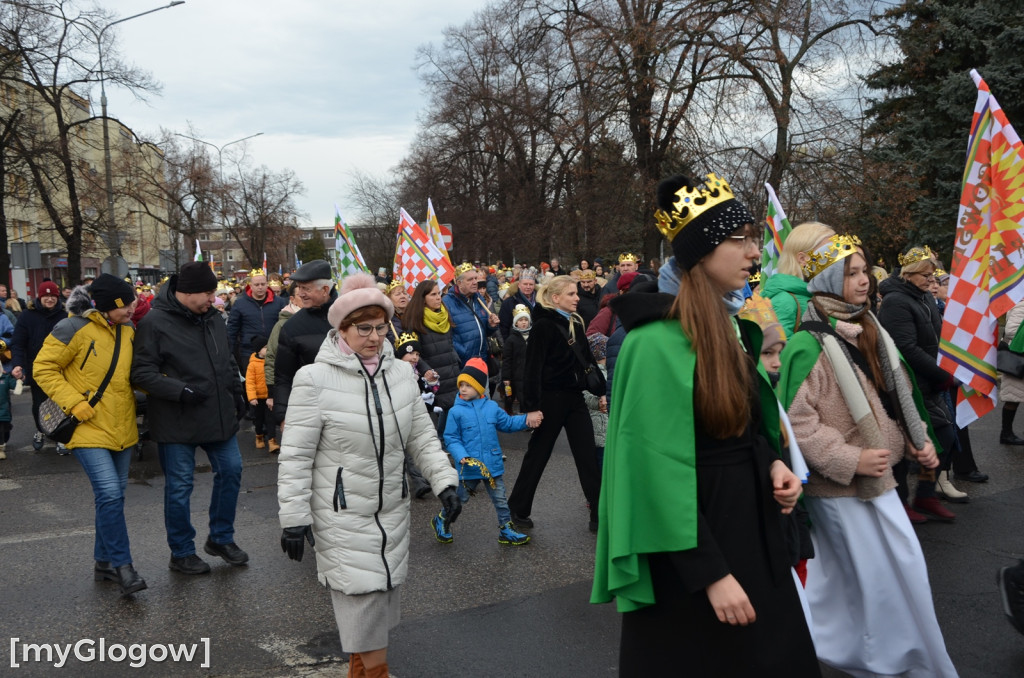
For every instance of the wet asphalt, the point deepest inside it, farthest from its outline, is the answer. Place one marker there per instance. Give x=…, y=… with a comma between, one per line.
x=470, y=608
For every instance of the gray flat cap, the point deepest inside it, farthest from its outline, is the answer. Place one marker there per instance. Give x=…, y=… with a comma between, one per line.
x=318, y=269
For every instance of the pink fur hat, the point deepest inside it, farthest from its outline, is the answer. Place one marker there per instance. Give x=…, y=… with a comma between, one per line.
x=357, y=291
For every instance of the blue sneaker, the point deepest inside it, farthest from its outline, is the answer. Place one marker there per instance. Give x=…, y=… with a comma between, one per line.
x=437, y=522
x=508, y=535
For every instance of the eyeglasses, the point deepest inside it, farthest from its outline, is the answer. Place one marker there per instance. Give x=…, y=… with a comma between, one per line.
x=365, y=330
x=928, y=278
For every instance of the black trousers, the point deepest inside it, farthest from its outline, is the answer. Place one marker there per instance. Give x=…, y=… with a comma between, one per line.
x=568, y=410
x=262, y=419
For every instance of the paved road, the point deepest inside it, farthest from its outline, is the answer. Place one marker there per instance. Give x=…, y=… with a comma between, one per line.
x=472, y=608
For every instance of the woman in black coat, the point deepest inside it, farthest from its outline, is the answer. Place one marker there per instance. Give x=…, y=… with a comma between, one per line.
x=429, y=318
x=550, y=385
x=33, y=326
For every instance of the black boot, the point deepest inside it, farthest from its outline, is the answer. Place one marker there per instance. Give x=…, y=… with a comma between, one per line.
x=1007, y=436
x=103, y=571
x=129, y=580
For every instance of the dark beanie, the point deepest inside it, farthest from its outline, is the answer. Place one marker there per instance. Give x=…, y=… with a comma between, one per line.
x=195, y=277
x=257, y=343
x=109, y=292
x=697, y=217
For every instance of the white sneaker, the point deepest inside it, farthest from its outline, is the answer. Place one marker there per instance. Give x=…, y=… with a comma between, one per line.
x=37, y=441
x=62, y=451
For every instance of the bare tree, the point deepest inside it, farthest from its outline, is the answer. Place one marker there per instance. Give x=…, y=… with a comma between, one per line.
x=262, y=212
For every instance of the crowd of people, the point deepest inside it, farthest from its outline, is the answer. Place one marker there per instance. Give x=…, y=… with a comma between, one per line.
x=753, y=454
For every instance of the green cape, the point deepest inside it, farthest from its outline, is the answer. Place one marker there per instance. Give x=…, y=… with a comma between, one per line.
x=649, y=482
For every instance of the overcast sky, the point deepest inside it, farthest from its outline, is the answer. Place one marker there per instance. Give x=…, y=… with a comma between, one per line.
x=330, y=83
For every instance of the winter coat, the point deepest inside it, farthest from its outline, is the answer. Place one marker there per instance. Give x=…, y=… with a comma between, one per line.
x=342, y=465
x=598, y=418
x=589, y=304
x=7, y=384
x=439, y=352
x=298, y=344
x=633, y=310
x=605, y=322
x=275, y=334
x=470, y=327
x=1011, y=389
x=71, y=365
x=789, y=297
x=6, y=328
x=32, y=329
x=255, y=380
x=395, y=329
x=506, y=313
x=250, y=318
x=177, y=348
x=551, y=364
x=492, y=286
x=912, y=319
x=513, y=361
x=471, y=430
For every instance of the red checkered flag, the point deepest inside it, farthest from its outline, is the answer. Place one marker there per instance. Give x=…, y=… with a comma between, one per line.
x=417, y=258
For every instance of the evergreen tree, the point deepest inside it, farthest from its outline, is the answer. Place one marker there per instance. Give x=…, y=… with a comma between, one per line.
x=922, y=122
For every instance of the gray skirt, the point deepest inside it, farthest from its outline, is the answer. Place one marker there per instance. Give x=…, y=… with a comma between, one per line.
x=365, y=620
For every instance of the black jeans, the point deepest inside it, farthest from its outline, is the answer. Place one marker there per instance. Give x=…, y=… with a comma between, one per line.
x=562, y=409
x=262, y=419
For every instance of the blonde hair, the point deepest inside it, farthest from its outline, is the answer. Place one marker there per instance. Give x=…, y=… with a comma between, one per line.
x=803, y=238
x=918, y=267
x=13, y=305
x=557, y=285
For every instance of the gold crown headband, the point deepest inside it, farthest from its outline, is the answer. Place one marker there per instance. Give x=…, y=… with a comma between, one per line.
x=396, y=283
x=406, y=337
x=915, y=255
x=690, y=203
x=755, y=278
x=939, y=273
x=628, y=256
x=464, y=267
x=256, y=271
x=759, y=310
x=838, y=247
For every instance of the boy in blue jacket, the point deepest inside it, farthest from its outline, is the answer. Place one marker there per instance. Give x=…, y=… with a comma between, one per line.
x=471, y=436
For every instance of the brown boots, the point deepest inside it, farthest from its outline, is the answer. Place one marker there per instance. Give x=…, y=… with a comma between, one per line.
x=273, y=447
x=259, y=442
x=357, y=670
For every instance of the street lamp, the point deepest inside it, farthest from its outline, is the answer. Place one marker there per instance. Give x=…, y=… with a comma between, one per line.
x=220, y=178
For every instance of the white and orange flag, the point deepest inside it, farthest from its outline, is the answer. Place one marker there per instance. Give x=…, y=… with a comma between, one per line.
x=435, y=232
x=987, y=276
x=417, y=258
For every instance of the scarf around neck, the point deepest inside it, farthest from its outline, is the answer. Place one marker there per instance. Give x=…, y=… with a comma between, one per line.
x=437, y=321
x=371, y=364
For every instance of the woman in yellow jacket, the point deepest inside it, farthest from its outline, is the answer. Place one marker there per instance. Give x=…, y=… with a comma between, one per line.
x=70, y=368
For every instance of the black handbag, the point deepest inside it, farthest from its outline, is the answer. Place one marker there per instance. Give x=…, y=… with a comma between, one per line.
x=1009, y=362
x=58, y=425
x=588, y=375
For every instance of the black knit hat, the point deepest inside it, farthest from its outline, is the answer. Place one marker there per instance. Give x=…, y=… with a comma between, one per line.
x=196, y=277
x=697, y=217
x=257, y=343
x=109, y=292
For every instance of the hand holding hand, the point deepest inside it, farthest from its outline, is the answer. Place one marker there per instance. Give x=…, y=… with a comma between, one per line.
x=292, y=538
x=18, y=373
x=786, y=487
x=534, y=419
x=926, y=457
x=873, y=462
x=432, y=377
x=602, y=404
x=730, y=602
x=83, y=411
x=270, y=403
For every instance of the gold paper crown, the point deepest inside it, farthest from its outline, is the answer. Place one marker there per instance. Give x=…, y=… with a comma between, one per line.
x=755, y=278
x=519, y=308
x=504, y=286
x=406, y=337
x=397, y=282
x=587, y=274
x=915, y=255
x=464, y=267
x=691, y=203
x=759, y=310
x=939, y=273
x=838, y=247
x=879, y=273
x=257, y=271
x=628, y=256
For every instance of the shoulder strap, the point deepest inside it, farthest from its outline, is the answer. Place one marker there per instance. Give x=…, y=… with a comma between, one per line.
x=796, y=325
x=574, y=345
x=110, y=372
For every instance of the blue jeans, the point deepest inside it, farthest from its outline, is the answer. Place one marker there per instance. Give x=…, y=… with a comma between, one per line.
x=108, y=473
x=497, y=495
x=178, y=461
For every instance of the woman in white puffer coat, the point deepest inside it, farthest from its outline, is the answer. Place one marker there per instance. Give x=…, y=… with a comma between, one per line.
x=341, y=480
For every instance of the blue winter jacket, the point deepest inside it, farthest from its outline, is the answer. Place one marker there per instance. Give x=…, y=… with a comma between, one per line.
x=471, y=328
x=472, y=431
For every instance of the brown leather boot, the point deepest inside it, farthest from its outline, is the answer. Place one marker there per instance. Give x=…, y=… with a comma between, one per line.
x=379, y=671
x=355, y=664
x=259, y=442
x=272, y=446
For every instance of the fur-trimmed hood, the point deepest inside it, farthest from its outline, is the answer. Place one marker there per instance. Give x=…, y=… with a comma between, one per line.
x=79, y=303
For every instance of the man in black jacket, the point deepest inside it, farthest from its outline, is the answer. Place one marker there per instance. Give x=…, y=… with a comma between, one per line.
x=183, y=362
x=32, y=329
x=525, y=295
x=253, y=314
x=301, y=336
x=590, y=296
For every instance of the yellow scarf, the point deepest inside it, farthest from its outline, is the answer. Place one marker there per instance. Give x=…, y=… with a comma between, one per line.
x=437, y=321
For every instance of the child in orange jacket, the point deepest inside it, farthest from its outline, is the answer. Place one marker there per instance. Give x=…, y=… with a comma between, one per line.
x=256, y=392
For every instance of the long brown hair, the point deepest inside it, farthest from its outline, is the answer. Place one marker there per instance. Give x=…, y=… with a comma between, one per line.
x=412, y=319
x=721, y=397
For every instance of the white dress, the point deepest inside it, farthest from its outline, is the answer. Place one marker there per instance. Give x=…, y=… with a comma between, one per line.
x=867, y=587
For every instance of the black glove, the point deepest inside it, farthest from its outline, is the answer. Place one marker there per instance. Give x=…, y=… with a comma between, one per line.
x=192, y=395
x=291, y=540
x=452, y=505
x=241, y=406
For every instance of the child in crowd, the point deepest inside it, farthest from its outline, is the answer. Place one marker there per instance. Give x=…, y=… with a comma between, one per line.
x=471, y=436
x=407, y=348
x=7, y=384
x=259, y=398
x=513, y=362
x=599, y=347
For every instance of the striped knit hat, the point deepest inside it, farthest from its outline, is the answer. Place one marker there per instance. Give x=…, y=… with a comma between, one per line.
x=475, y=374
